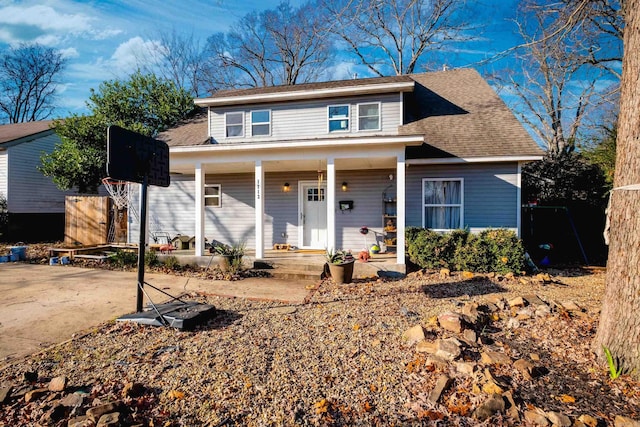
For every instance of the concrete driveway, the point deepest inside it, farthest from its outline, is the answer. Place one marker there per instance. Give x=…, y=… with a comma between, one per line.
x=42, y=305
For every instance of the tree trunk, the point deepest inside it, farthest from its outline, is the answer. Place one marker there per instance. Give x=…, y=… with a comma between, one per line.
x=619, y=328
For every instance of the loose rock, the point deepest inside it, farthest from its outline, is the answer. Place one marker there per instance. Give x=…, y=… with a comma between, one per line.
x=441, y=385
x=451, y=322
x=621, y=421
x=58, y=384
x=490, y=357
x=413, y=335
x=558, y=419
x=536, y=418
x=493, y=405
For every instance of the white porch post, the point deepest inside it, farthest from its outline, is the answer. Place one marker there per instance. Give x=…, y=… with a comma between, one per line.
x=259, y=203
x=199, y=219
x=400, y=195
x=331, y=203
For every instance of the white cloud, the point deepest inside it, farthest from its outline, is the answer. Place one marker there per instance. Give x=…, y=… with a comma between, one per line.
x=45, y=18
x=128, y=55
x=70, y=52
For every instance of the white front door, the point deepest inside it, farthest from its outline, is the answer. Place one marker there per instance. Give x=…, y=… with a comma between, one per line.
x=313, y=215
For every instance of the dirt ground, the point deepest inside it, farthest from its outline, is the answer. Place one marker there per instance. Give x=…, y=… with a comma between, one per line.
x=338, y=358
x=42, y=304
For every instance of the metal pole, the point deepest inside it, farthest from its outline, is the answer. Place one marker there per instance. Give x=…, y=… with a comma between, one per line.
x=142, y=242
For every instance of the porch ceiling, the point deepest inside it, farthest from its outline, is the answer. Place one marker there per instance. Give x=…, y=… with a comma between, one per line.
x=357, y=163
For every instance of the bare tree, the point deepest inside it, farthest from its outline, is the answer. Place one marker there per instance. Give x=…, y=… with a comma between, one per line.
x=177, y=57
x=394, y=36
x=595, y=28
x=29, y=77
x=559, y=88
x=619, y=327
x=285, y=45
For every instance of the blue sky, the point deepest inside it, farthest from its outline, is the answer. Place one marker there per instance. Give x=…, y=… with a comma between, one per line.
x=100, y=38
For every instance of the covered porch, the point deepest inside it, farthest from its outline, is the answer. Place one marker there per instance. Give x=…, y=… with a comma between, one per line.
x=344, y=184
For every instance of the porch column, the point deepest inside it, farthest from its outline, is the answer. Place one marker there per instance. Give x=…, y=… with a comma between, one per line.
x=259, y=203
x=400, y=195
x=199, y=219
x=331, y=203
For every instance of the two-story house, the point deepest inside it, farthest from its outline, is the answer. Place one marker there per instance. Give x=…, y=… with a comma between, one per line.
x=310, y=165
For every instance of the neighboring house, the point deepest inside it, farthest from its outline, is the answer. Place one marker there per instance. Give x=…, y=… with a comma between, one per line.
x=309, y=165
x=35, y=205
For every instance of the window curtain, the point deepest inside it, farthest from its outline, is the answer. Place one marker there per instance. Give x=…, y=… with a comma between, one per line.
x=442, y=201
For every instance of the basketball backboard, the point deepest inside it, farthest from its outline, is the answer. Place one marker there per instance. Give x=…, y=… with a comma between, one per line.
x=131, y=156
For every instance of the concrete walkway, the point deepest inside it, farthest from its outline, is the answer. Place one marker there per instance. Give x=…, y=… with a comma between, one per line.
x=42, y=305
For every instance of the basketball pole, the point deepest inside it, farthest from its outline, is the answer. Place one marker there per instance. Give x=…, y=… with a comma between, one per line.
x=142, y=242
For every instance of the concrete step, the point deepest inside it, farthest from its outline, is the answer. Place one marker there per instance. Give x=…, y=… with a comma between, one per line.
x=285, y=273
x=297, y=265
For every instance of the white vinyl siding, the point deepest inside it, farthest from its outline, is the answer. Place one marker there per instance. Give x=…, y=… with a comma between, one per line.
x=28, y=191
x=369, y=116
x=306, y=120
x=261, y=123
x=443, y=203
x=4, y=172
x=338, y=118
x=234, y=124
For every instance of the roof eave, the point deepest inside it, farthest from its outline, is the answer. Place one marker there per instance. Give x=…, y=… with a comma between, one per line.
x=479, y=159
x=320, y=143
x=296, y=95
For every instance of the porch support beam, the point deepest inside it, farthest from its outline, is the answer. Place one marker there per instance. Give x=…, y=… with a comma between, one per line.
x=331, y=203
x=199, y=219
x=400, y=195
x=259, y=203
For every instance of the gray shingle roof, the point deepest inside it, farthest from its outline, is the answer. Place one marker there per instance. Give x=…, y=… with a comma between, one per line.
x=311, y=86
x=192, y=131
x=20, y=130
x=460, y=115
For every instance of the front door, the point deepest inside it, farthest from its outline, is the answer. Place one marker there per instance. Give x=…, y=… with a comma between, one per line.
x=313, y=215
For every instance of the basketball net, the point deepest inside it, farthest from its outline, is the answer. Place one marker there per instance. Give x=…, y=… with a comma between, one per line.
x=120, y=192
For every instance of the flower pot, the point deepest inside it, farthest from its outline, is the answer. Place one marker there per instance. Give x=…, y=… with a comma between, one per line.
x=341, y=273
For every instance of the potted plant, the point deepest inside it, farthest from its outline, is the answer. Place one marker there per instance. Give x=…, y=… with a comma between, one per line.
x=231, y=255
x=340, y=265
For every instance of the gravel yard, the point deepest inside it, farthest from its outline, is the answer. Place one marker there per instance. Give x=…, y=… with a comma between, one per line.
x=338, y=359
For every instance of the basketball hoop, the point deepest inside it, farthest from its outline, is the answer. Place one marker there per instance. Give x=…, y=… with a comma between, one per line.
x=118, y=190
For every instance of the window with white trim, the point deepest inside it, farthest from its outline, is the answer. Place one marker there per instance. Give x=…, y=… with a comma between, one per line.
x=261, y=123
x=338, y=118
x=369, y=116
x=443, y=203
x=234, y=124
x=213, y=195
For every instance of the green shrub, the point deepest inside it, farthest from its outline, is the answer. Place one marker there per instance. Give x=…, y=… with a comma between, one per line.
x=494, y=250
x=172, y=263
x=424, y=249
x=505, y=250
x=151, y=259
x=123, y=258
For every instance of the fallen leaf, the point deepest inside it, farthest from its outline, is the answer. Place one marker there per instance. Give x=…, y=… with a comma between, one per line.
x=356, y=327
x=565, y=398
x=175, y=394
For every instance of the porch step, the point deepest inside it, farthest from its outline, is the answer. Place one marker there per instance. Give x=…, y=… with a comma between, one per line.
x=291, y=269
x=288, y=274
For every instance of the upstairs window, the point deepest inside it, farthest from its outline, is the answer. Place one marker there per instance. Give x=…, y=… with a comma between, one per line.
x=212, y=195
x=442, y=203
x=369, y=116
x=234, y=123
x=261, y=123
x=338, y=118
